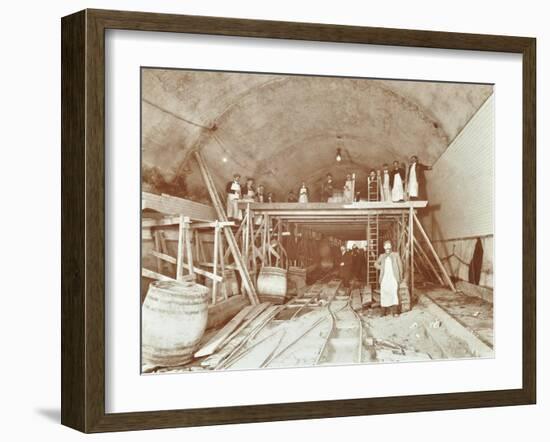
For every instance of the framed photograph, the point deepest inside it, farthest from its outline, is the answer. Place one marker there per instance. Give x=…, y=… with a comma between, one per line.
x=267, y=220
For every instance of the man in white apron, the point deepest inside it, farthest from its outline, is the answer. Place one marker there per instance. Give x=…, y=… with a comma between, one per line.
x=397, y=177
x=303, y=195
x=386, y=184
x=391, y=270
x=348, y=189
x=233, y=190
x=412, y=185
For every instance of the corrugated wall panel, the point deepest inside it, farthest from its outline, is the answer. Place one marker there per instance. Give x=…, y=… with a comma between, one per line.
x=460, y=185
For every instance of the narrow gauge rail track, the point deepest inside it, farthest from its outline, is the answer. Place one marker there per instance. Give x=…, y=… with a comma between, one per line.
x=344, y=344
x=343, y=341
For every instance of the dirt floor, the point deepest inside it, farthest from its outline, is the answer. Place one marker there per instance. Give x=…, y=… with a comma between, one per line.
x=474, y=313
x=412, y=336
x=421, y=334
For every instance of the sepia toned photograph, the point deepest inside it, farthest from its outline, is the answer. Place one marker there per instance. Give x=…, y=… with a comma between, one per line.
x=300, y=221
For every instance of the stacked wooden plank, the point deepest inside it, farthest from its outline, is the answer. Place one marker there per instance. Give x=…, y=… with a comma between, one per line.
x=291, y=343
x=173, y=205
x=220, y=337
x=228, y=340
x=254, y=339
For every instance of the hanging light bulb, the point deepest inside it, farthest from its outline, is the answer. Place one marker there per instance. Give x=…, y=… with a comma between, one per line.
x=224, y=159
x=338, y=155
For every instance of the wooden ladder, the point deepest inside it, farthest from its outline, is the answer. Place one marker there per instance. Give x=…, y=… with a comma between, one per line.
x=372, y=249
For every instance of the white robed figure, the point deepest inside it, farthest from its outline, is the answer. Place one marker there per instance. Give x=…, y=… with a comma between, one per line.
x=390, y=266
x=348, y=189
x=413, y=182
x=397, y=192
x=303, y=194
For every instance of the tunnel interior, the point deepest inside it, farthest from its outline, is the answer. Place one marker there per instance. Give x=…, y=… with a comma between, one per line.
x=199, y=128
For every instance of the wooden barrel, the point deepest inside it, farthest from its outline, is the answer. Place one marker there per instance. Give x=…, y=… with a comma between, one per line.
x=297, y=276
x=272, y=285
x=173, y=318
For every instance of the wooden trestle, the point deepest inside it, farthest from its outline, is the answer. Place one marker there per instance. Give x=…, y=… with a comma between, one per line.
x=240, y=264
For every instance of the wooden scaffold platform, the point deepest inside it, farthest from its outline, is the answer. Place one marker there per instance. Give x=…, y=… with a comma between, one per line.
x=374, y=221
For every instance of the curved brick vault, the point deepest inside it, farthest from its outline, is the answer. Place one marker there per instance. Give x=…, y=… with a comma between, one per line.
x=285, y=129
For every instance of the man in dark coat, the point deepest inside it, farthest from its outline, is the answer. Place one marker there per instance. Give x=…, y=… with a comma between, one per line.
x=415, y=179
x=328, y=188
x=248, y=190
x=346, y=265
x=356, y=262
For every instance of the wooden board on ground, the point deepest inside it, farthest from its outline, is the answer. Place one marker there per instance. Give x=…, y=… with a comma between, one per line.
x=251, y=315
x=219, y=338
x=238, y=338
x=221, y=312
x=366, y=295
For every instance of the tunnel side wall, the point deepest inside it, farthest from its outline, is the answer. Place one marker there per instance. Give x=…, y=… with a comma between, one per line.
x=460, y=189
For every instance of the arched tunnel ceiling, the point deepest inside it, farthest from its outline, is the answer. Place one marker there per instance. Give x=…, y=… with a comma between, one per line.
x=283, y=129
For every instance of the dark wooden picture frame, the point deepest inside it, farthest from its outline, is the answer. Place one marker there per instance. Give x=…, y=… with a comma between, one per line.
x=83, y=220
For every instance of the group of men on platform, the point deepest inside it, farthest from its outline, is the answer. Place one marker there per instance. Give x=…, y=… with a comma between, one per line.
x=395, y=184
x=237, y=192
x=398, y=183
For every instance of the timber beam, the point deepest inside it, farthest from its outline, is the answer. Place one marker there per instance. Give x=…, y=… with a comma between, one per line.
x=368, y=205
